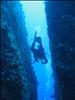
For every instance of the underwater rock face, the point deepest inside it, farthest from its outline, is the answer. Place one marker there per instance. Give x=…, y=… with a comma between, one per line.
x=60, y=17
x=18, y=81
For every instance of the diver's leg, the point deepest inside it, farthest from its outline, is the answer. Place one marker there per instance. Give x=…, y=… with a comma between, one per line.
x=44, y=60
x=35, y=60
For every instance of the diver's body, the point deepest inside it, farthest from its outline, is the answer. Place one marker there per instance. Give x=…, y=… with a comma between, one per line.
x=39, y=51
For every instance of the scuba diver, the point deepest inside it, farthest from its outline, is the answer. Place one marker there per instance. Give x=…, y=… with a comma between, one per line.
x=38, y=50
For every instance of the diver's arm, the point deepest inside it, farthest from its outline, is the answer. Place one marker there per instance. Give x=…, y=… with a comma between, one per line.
x=33, y=44
x=35, y=35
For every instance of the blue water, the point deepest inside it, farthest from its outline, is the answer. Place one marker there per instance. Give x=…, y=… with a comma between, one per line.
x=35, y=20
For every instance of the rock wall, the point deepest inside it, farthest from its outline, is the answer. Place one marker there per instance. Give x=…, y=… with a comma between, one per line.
x=18, y=81
x=60, y=17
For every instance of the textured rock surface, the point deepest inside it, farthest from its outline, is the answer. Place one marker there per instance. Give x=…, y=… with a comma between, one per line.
x=61, y=30
x=18, y=81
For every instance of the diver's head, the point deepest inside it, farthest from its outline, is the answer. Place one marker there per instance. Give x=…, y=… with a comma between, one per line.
x=38, y=39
